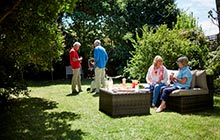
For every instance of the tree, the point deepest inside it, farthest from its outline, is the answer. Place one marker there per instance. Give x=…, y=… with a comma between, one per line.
x=170, y=44
x=214, y=57
x=110, y=21
x=30, y=34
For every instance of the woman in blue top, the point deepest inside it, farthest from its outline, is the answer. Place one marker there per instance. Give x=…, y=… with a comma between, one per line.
x=181, y=81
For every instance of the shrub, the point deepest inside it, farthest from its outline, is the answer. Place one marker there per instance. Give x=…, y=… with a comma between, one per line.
x=168, y=43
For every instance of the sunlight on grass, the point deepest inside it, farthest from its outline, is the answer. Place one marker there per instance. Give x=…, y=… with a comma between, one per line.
x=57, y=115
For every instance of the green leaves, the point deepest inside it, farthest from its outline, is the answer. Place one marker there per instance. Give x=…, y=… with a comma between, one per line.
x=170, y=44
x=32, y=36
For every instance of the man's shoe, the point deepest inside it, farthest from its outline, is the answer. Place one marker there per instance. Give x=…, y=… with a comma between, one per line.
x=80, y=90
x=74, y=92
x=95, y=94
x=88, y=89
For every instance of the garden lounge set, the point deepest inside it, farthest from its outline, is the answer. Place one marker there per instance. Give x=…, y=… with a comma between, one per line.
x=129, y=102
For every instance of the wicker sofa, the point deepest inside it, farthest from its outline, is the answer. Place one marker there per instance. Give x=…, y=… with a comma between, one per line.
x=198, y=98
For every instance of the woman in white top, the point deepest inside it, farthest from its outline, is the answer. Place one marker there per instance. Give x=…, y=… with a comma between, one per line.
x=157, y=77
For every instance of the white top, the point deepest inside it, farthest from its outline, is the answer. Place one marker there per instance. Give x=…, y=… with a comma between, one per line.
x=154, y=75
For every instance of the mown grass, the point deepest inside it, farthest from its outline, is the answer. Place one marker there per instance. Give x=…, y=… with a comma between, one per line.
x=51, y=113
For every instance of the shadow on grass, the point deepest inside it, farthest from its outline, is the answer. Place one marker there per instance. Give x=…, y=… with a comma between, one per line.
x=215, y=111
x=55, y=82
x=84, y=81
x=30, y=119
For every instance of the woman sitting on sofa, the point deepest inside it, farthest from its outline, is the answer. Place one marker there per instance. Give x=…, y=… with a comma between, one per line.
x=156, y=77
x=181, y=81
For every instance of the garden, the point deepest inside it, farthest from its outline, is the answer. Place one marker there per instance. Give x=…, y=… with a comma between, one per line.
x=52, y=113
x=35, y=39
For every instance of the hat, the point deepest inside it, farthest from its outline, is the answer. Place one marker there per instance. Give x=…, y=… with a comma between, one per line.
x=183, y=60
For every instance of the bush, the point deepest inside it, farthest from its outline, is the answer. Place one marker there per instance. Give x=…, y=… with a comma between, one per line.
x=11, y=82
x=168, y=43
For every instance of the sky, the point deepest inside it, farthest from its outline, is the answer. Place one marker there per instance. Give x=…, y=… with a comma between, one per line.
x=200, y=10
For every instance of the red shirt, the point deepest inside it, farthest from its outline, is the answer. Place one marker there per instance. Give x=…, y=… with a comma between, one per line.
x=73, y=54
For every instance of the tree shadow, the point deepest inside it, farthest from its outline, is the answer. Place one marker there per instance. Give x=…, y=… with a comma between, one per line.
x=31, y=119
x=55, y=82
x=213, y=112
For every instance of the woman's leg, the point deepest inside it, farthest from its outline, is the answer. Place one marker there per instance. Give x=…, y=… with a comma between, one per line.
x=156, y=93
x=165, y=94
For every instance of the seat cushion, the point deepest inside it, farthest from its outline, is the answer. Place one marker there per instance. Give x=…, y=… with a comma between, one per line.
x=189, y=92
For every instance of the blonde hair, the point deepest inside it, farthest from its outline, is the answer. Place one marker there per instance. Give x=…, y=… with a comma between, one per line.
x=156, y=59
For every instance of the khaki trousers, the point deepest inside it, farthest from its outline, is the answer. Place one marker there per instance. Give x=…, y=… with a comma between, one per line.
x=76, y=79
x=99, y=78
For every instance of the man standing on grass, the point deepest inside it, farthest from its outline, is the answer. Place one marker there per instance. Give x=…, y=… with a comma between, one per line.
x=75, y=61
x=101, y=58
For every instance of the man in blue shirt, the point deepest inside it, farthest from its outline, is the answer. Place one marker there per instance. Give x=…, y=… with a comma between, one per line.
x=101, y=58
x=181, y=81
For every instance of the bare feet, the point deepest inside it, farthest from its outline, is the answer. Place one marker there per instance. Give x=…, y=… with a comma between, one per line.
x=153, y=106
x=160, y=109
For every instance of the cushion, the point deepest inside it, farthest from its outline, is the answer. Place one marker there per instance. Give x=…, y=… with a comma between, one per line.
x=189, y=92
x=193, y=82
x=201, y=79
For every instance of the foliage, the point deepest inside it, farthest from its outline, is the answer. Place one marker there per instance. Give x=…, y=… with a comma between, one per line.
x=153, y=13
x=109, y=21
x=29, y=34
x=10, y=81
x=213, y=65
x=170, y=44
x=185, y=21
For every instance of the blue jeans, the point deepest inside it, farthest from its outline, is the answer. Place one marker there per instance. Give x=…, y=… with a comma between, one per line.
x=166, y=91
x=156, y=92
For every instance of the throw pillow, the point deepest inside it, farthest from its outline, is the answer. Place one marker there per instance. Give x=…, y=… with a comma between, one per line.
x=201, y=79
x=193, y=82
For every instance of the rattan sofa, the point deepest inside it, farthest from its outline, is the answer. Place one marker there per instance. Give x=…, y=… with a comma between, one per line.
x=198, y=97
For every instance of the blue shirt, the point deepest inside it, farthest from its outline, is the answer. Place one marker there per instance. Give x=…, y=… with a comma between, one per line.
x=100, y=57
x=184, y=73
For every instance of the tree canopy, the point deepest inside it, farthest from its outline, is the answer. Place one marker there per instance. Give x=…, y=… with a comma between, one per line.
x=29, y=34
x=110, y=21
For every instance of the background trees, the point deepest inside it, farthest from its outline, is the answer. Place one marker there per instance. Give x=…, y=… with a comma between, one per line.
x=37, y=35
x=185, y=39
x=29, y=35
x=213, y=64
x=110, y=21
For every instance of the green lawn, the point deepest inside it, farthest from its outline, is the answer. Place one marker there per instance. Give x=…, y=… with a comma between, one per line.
x=52, y=114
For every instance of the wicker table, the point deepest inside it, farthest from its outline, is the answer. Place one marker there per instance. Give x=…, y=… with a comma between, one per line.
x=124, y=103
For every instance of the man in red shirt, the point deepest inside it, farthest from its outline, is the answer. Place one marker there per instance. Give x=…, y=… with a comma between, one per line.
x=75, y=61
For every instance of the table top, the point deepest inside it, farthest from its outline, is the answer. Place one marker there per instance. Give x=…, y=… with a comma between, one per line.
x=121, y=90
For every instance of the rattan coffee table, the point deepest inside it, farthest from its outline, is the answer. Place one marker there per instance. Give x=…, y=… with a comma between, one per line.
x=124, y=103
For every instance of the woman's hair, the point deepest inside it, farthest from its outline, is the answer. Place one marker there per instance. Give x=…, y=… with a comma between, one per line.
x=156, y=59
x=183, y=60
